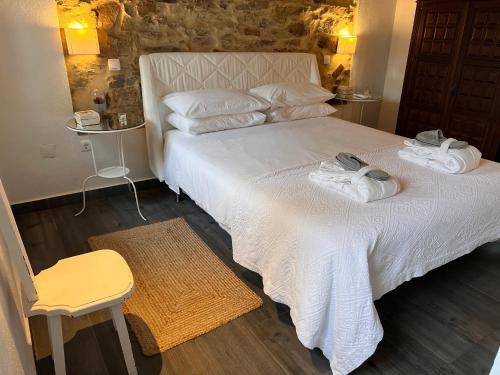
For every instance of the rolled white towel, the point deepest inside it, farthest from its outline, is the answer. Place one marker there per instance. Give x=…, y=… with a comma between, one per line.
x=443, y=158
x=355, y=185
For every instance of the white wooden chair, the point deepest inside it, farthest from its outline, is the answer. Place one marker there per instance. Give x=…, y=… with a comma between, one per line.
x=74, y=286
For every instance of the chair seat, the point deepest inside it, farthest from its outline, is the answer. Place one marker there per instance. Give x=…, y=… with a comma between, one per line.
x=82, y=284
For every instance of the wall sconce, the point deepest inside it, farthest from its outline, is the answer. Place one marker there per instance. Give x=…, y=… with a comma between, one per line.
x=347, y=44
x=81, y=40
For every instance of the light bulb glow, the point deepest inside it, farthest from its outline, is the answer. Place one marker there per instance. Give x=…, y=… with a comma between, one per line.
x=344, y=32
x=75, y=25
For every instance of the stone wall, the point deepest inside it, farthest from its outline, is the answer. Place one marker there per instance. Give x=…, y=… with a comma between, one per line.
x=129, y=28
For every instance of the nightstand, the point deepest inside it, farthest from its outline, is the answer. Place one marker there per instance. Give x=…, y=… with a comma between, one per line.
x=343, y=101
x=115, y=171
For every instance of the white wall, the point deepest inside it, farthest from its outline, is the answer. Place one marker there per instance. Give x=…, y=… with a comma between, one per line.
x=394, y=76
x=35, y=103
x=374, y=29
x=17, y=354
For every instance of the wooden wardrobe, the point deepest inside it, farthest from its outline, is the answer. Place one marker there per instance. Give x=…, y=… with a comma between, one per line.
x=452, y=79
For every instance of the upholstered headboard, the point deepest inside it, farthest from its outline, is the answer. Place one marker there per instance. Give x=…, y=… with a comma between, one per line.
x=163, y=73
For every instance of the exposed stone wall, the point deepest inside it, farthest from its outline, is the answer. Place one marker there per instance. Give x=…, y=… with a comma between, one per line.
x=129, y=28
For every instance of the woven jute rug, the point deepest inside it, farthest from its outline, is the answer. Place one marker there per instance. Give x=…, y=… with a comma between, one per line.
x=182, y=289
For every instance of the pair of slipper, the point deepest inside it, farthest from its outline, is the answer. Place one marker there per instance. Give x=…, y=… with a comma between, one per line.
x=436, y=138
x=352, y=163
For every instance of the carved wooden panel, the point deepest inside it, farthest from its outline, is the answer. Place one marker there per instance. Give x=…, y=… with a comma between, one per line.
x=477, y=90
x=452, y=80
x=474, y=111
x=440, y=32
x=437, y=32
x=485, y=36
x=472, y=130
x=419, y=120
x=430, y=85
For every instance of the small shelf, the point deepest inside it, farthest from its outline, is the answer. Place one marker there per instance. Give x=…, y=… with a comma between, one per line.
x=113, y=172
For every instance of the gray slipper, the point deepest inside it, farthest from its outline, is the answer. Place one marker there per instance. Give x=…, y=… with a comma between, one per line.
x=352, y=163
x=435, y=138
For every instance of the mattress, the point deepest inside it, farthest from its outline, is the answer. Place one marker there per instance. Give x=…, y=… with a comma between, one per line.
x=212, y=167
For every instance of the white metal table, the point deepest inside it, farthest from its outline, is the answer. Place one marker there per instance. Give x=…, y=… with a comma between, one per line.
x=116, y=171
x=371, y=99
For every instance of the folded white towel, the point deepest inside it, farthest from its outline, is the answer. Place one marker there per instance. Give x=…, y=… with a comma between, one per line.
x=443, y=158
x=355, y=185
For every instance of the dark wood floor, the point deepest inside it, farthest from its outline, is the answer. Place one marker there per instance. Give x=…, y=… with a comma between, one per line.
x=447, y=322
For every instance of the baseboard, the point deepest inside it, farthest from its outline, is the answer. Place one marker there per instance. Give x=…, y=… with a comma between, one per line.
x=61, y=200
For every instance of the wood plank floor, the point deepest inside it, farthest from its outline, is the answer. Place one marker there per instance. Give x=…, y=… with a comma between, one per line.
x=447, y=322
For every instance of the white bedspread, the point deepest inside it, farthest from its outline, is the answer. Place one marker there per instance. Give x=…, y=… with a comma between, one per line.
x=320, y=253
x=211, y=168
x=328, y=258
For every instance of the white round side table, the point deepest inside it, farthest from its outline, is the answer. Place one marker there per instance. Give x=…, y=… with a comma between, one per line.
x=371, y=99
x=117, y=171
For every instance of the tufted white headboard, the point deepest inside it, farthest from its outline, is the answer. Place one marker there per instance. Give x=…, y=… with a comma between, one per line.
x=163, y=73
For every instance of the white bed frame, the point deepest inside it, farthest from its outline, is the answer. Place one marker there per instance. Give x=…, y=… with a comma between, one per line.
x=163, y=73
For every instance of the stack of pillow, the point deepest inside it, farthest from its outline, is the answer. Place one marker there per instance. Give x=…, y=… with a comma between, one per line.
x=294, y=101
x=209, y=110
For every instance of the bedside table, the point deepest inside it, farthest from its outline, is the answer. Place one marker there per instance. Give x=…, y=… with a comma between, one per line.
x=115, y=171
x=344, y=101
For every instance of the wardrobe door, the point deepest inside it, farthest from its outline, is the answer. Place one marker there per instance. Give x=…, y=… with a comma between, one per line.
x=434, y=52
x=475, y=103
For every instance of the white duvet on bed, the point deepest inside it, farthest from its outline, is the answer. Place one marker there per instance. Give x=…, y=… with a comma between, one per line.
x=323, y=255
x=328, y=258
x=212, y=168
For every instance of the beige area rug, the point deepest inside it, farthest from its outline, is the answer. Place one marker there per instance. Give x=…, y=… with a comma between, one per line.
x=182, y=289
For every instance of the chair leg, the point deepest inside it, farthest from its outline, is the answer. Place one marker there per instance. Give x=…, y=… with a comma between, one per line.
x=57, y=343
x=121, y=328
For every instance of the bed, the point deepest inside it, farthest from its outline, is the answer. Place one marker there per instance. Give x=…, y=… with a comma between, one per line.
x=324, y=256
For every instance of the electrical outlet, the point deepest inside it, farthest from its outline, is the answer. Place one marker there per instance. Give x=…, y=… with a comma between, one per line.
x=85, y=145
x=114, y=64
x=327, y=59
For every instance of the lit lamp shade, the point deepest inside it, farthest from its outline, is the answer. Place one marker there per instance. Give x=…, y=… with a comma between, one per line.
x=347, y=45
x=81, y=41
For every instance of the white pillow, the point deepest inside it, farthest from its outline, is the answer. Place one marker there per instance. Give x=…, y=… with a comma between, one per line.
x=292, y=94
x=215, y=123
x=213, y=102
x=299, y=112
